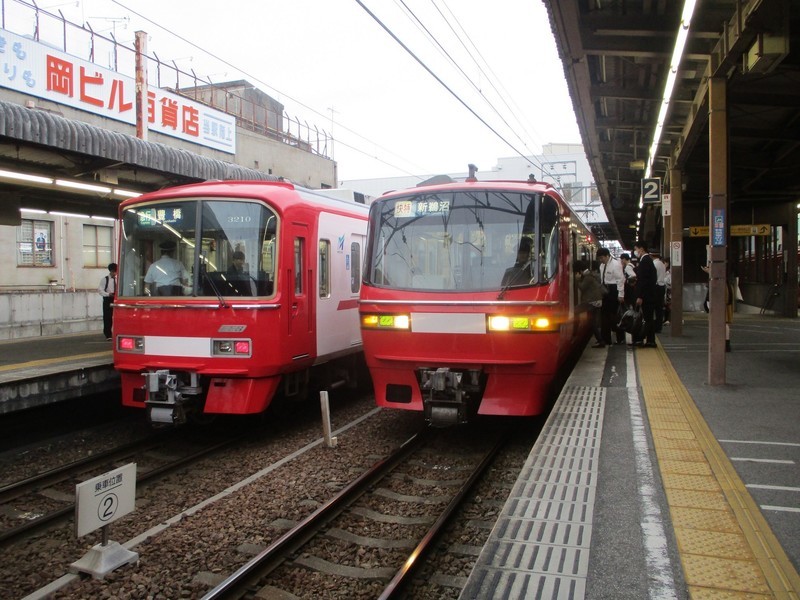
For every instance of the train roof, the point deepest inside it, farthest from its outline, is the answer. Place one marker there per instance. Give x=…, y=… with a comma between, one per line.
x=518, y=185
x=494, y=184
x=282, y=190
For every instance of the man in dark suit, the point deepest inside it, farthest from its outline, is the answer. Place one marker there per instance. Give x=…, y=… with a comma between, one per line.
x=645, y=293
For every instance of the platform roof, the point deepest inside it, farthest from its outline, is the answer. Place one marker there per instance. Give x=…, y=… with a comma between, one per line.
x=41, y=143
x=616, y=56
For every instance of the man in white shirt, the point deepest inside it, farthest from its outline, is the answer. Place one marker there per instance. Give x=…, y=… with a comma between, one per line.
x=108, y=290
x=612, y=277
x=661, y=291
x=166, y=276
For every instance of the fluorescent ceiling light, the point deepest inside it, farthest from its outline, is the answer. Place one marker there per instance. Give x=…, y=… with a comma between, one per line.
x=672, y=76
x=48, y=182
x=66, y=214
x=25, y=177
x=102, y=218
x=126, y=193
x=33, y=210
x=77, y=185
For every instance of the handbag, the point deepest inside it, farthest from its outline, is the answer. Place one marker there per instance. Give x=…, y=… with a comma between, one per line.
x=632, y=321
x=626, y=319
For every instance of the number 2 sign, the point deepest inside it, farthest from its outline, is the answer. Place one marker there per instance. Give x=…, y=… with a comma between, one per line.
x=651, y=190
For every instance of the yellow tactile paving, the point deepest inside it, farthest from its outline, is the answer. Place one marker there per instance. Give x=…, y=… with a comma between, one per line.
x=718, y=543
x=727, y=549
x=682, y=454
x=688, y=498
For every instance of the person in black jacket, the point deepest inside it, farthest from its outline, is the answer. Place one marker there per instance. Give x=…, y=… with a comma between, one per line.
x=645, y=293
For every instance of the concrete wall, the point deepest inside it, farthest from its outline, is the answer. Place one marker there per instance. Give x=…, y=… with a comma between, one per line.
x=26, y=315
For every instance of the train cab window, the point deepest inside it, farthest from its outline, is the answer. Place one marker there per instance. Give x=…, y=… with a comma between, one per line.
x=324, y=269
x=355, y=267
x=215, y=247
x=461, y=241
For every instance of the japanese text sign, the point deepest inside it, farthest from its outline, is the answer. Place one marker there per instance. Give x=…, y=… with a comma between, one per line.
x=32, y=68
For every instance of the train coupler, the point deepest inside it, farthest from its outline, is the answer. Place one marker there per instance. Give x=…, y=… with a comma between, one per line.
x=167, y=396
x=448, y=395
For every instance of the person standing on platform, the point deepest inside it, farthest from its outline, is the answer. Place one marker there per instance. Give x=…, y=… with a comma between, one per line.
x=645, y=293
x=591, y=296
x=612, y=277
x=108, y=290
x=630, y=278
x=661, y=291
x=668, y=295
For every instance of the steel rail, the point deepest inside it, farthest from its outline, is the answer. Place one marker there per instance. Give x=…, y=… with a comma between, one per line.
x=29, y=527
x=239, y=582
x=60, y=473
x=404, y=574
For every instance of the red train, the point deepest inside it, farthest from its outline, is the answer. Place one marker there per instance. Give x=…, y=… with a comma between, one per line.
x=468, y=303
x=229, y=290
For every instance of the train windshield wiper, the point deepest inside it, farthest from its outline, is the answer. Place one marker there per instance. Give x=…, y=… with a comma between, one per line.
x=222, y=303
x=513, y=280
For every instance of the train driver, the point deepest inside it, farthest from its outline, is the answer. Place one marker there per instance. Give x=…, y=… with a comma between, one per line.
x=166, y=276
x=520, y=273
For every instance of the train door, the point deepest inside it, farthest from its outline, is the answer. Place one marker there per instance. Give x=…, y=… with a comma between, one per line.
x=299, y=281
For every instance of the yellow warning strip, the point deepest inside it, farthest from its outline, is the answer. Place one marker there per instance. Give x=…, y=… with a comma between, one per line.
x=54, y=361
x=726, y=546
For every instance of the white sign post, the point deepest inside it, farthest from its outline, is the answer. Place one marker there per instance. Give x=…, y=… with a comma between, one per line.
x=98, y=503
x=675, y=253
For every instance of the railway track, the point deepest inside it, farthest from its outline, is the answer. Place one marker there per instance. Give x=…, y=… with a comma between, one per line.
x=372, y=536
x=47, y=499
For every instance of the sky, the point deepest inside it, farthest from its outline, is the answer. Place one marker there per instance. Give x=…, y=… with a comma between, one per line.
x=501, y=89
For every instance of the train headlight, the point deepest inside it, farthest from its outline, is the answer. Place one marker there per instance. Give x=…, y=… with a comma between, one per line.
x=520, y=323
x=127, y=343
x=380, y=321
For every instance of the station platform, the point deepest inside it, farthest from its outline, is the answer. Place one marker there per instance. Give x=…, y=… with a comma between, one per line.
x=43, y=370
x=647, y=482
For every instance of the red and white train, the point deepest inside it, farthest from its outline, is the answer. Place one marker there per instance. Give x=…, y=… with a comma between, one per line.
x=468, y=304
x=229, y=290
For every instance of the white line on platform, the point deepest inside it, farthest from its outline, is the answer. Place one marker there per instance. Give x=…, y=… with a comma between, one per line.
x=759, y=442
x=774, y=461
x=661, y=583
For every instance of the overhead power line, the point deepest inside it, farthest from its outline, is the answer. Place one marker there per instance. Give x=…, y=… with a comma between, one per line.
x=439, y=80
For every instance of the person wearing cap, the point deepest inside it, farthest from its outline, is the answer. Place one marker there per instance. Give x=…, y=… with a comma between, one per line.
x=166, y=276
x=108, y=289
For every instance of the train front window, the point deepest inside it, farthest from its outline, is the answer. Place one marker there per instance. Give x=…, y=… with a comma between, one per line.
x=199, y=247
x=463, y=241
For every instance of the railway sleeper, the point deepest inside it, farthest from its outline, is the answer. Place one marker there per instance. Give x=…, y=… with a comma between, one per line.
x=450, y=396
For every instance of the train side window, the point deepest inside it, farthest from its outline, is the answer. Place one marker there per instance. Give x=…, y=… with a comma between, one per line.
x=298, y=265
x=324, y=269
x=355, y=267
